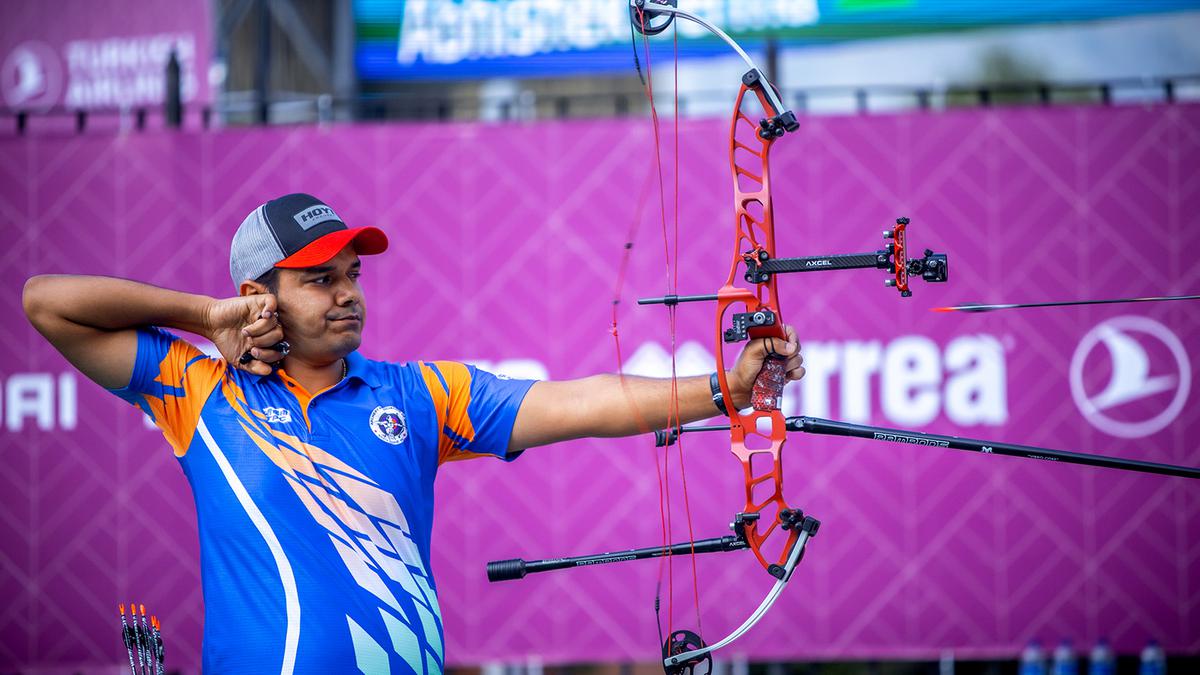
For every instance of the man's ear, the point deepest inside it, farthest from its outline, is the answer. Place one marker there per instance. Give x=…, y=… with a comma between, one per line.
x=249, y=287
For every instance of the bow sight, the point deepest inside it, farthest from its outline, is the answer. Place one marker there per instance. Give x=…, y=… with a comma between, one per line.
x=760, y=266
x=893, y=258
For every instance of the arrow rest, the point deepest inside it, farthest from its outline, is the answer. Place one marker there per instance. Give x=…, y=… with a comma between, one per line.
x=745, y=322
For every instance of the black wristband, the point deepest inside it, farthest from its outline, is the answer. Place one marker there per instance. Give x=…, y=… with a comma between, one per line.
x=718, y=398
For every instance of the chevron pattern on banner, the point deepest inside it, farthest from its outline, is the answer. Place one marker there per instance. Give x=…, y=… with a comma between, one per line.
x=505, y=245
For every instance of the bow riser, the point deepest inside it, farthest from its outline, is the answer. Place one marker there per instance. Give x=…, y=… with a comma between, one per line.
x=765, y=505
x=754, y=226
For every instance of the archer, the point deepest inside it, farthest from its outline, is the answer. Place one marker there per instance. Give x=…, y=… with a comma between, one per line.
x=313, y=467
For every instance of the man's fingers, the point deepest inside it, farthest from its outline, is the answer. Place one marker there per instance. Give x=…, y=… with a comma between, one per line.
x=268, y=350
x=271, y=354
x=780, y=348
x=768, y=347
x=255, y=366
x=267, y=355
x=268, y=339
x=795, y=364
x=774, y=348
x=260, y=368
x=793, y=341
x=266, y=322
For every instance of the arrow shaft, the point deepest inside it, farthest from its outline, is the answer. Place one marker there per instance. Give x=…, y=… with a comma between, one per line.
x=1065, y=303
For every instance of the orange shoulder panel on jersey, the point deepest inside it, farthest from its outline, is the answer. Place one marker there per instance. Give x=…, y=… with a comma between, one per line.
x=449, y=383
x=186, y=377
x=437, y=391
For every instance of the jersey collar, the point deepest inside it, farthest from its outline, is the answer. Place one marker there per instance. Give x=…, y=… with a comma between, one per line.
x=358, y=366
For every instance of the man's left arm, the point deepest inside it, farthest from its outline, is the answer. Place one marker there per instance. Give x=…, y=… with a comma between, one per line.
x=611, y=405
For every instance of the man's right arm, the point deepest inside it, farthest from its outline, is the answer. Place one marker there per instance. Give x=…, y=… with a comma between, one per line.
x=92, y=321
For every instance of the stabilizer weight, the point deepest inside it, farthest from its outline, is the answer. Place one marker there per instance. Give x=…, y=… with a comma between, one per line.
x=506, y=570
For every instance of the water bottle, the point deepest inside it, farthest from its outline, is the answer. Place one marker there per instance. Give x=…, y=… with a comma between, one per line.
x=1154, y=661
x=1033, y=662
x=1102, y=660
x=1064, y=660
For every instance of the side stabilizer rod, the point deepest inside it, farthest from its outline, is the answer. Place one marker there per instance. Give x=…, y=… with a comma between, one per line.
x=516, y=568
x=816, y=425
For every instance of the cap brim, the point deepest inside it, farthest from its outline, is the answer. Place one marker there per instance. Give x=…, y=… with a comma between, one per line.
x=366, y=241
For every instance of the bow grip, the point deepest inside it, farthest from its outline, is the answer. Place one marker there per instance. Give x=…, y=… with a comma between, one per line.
x=767, y=393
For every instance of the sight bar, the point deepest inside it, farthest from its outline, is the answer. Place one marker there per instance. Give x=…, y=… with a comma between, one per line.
x=842, y=261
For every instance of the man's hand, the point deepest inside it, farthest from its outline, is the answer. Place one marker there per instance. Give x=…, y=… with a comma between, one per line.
x=750, y=361
x=246, y=324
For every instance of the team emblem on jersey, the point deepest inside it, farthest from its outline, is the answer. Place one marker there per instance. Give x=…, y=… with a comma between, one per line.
x=388, y=424
x=278, y=415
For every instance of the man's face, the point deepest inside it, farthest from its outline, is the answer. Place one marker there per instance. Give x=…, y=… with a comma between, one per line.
x=321, y=308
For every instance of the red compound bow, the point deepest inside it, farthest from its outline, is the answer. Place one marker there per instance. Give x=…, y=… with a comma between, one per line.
x=748, y=308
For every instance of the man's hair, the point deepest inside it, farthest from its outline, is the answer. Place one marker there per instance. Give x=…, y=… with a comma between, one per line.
x=270, y=279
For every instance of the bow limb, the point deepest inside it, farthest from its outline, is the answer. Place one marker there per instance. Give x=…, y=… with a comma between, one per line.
x=656, y=7
x=797, y=552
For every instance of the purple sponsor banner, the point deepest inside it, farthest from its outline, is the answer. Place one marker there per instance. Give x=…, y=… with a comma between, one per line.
x=79, y=54
x=506, y=244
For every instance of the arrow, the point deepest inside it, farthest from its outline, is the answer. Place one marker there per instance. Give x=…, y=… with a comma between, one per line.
x=127, y=636
x=1021, y=305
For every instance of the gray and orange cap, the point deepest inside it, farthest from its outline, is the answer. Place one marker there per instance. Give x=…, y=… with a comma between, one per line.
x=293, y=232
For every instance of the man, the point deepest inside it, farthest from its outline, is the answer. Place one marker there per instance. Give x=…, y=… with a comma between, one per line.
x=312, y=467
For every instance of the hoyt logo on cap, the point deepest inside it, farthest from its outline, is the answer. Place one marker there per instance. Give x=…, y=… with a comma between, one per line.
x=315, y=215
x=295, y=231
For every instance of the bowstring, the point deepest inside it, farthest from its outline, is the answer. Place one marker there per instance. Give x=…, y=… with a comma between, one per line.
x=678, y=418
x=662, y=464
x=671, y=257
x=643, y=198
x=639, y=419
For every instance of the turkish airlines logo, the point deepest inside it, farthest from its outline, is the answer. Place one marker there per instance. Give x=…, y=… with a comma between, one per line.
x=1137, y=384
x=31, y=77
